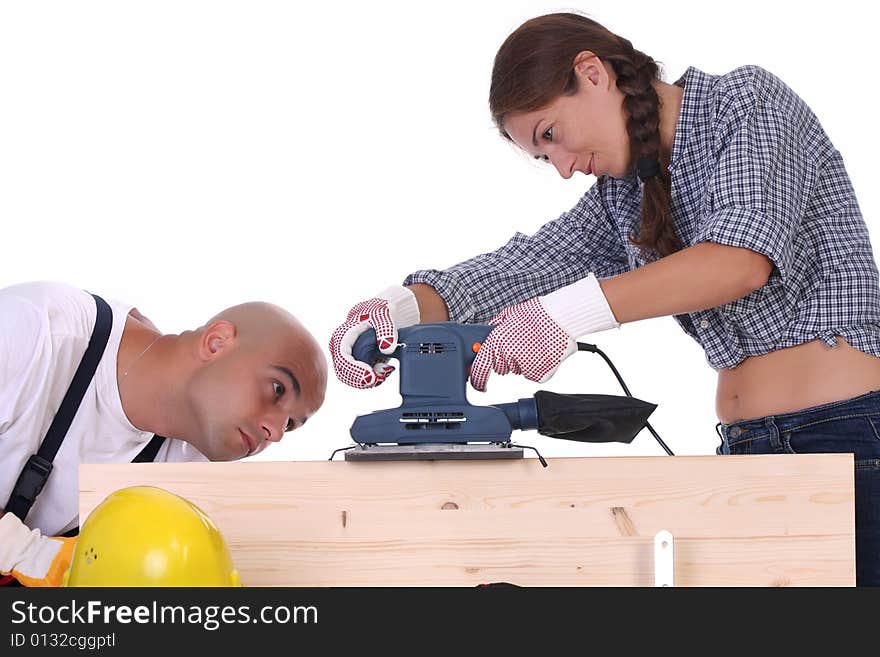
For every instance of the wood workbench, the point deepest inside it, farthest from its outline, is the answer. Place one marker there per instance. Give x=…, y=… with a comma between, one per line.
x=736, y=520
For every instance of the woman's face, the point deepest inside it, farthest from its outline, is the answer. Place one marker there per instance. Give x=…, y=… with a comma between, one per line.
x=585, y=131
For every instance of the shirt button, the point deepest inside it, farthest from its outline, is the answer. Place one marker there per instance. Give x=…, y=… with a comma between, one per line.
x=704, y=324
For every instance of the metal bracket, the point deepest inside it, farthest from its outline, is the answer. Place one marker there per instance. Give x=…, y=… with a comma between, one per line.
x=433, y=452
x=663, y=559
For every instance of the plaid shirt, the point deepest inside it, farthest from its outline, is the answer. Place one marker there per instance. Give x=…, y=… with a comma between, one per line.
x=751, y=167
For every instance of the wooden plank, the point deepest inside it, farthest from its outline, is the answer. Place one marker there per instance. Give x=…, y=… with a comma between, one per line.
x=736, y=520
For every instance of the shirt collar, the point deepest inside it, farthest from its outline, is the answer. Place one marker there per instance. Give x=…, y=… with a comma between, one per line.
x=696, y=85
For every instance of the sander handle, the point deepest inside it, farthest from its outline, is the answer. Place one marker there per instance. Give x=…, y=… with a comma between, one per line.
x=366, y=349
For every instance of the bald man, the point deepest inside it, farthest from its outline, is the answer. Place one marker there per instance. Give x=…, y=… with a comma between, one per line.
x=220, y=392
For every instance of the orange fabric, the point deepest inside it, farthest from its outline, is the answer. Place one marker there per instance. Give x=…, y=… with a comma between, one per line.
x=60, y=564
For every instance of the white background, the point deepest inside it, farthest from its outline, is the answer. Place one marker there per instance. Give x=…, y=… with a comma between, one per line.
x=188, y=156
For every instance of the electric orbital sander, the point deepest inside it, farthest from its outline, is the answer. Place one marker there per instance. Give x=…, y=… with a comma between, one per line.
x=435, y=420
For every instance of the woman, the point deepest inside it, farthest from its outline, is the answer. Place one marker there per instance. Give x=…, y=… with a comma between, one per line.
x=719, y=200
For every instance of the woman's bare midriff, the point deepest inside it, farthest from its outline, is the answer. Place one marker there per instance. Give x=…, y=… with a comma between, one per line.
x=793, y=379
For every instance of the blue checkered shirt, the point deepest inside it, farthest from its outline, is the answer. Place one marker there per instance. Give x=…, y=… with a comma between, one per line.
x=751, y=167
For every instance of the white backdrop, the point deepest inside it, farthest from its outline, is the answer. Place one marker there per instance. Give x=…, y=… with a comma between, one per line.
x=187, y=156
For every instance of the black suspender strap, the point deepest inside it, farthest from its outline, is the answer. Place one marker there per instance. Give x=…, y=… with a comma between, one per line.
x=148, y=453
x=35, y=473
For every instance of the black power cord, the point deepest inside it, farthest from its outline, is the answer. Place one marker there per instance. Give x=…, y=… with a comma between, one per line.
x=341, y=449
x=583, y=346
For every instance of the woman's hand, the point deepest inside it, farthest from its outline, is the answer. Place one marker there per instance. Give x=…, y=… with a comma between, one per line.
x=391, y=309
x=532, y=338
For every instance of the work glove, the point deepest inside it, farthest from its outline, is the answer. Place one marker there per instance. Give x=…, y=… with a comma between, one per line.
x=30, y=557
x=391, y=309
x=532, y=338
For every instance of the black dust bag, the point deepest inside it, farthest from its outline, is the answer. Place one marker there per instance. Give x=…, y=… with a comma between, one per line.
x=591, y=418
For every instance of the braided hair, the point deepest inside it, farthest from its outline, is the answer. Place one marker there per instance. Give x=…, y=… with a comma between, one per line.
x=535, y=65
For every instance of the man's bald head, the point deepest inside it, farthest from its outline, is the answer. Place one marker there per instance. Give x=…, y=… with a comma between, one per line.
x=262, y=374
x=267, y=327
x=258, y=321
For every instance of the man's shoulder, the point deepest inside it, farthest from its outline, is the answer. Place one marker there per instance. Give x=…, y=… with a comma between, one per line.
x=48, y=299
x=42, y=325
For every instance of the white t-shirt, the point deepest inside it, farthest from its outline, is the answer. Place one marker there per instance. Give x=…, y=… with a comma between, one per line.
x=44, y=331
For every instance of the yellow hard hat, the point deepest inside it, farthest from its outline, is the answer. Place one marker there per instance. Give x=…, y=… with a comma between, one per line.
x=146, y=536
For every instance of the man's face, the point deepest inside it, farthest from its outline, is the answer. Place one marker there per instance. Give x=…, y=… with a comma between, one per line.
x=250, y=395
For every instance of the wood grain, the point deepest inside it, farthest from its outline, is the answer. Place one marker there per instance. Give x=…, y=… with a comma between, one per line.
x=777, y=520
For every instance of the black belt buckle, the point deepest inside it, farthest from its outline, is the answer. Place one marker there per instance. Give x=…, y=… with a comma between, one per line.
x=32, y=478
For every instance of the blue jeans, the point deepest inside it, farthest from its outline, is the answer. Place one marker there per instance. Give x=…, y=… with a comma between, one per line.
x=850, y=425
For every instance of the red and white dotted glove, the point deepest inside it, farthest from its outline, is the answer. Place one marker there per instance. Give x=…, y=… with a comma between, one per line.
x=30, y=557
x=393, y=308
x=532, y=338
